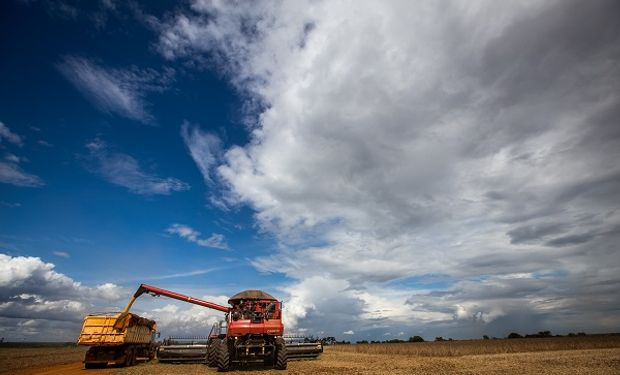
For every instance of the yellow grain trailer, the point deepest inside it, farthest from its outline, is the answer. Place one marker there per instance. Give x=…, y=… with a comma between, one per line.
x=117, y=338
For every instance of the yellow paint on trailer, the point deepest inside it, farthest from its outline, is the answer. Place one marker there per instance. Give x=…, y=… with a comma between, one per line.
x=107, y=330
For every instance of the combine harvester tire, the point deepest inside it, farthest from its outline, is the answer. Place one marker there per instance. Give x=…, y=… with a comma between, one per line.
x=222, y=357
x=211, y=360
x=281, y=354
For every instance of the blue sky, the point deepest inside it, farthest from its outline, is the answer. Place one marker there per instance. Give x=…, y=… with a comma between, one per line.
x=76, y=207
x=385, y=176
x=71, y=215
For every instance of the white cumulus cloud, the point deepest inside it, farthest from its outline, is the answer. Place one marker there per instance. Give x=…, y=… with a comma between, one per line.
x=187, y=320
x=32, y=289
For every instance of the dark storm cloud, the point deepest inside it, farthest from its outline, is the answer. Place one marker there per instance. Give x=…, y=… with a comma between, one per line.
x=603, y=188
x=39, y=329
x=574, y=239
x=537, y=52
x=33, y=307
x=531, y=232
x=344, y=314
x=544, y=63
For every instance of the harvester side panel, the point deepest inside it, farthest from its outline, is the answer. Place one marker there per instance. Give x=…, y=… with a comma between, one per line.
x=272, y=327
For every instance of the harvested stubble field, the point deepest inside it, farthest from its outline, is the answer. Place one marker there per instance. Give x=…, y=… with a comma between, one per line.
x=14, y=358
x=584, y=355
x=475, y=347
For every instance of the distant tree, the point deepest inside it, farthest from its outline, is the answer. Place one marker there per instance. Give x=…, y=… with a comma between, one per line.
x=362, y=342
x=570, y=334
x=485, y=337
x=514, y=335
x=393, y=341
x=540, y=334
x=439, y=339
x=581, y=334
x=415, y=339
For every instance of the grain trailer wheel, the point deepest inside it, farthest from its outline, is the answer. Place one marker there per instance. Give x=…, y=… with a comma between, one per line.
x=130, y=357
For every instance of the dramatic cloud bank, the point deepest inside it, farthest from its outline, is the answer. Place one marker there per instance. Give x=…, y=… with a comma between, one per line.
x=34, y=296
x=39, y=303
x=429, y=164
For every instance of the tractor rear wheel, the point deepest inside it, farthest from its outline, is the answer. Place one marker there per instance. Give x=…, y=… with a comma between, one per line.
x=281, y=355
x=222, y=356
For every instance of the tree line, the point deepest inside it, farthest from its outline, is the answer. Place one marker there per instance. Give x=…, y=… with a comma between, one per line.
x=512, y=335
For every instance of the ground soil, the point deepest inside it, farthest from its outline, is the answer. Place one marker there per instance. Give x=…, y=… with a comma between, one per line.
x=67, y=369
x=583, y=361
x=22, y=358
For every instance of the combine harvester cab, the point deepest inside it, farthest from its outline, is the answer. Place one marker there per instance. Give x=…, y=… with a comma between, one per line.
x=117, y=338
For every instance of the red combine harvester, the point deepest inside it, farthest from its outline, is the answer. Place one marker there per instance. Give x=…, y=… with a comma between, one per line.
x=254, y=328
